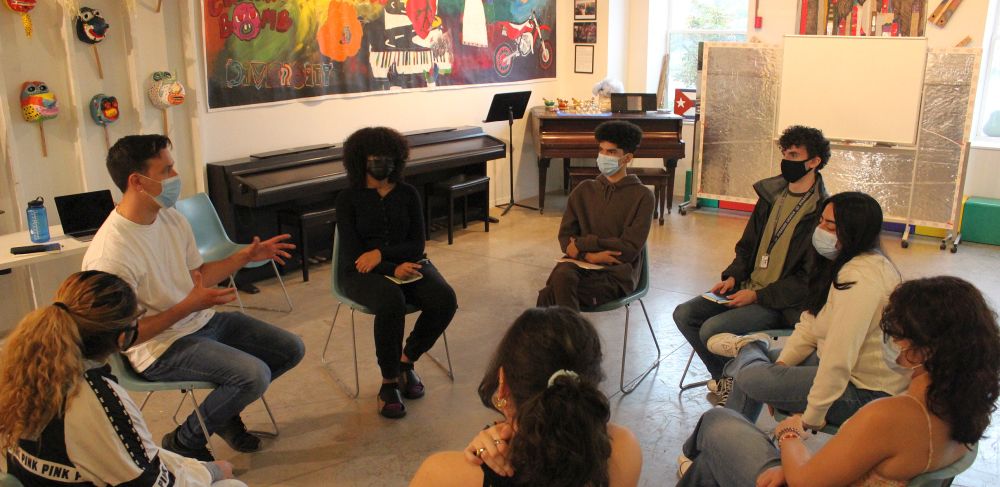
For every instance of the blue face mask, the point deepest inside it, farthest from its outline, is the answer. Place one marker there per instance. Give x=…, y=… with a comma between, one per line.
x=171, y=190
x=607, y=164
x=825, y=243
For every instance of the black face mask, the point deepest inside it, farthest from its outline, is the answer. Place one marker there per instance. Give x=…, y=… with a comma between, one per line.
x=793, y=170
x=380, y=168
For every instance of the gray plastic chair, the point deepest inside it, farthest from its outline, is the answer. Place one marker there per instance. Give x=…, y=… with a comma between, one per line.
x=338, y=294
x=944, y=476
x=641, y=289
x=7, y=480
x=214, y=244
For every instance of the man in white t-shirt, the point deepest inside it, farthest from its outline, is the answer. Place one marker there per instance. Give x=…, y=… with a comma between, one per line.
x=150, y=245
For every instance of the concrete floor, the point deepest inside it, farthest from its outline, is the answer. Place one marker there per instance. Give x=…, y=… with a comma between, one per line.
x=329, y=439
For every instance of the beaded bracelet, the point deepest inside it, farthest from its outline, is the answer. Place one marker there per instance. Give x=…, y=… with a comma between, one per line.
x=784, y=433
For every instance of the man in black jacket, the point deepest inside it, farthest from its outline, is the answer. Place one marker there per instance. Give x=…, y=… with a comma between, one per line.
x=766, y=284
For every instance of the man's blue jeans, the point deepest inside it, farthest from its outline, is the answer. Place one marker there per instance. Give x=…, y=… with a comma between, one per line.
x=727, y=450
x=759, y=381
x=699, y=319
x=239, y=353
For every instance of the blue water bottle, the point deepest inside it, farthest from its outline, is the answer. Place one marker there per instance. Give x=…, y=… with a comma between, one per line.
x=38, y=221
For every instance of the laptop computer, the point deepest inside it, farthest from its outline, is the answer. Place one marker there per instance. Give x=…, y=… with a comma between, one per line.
x=82, y=214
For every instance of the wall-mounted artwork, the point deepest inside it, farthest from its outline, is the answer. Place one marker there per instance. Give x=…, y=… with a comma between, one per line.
x=91, y=28
x=266, y=52
x=38, y=104
x=584, y=9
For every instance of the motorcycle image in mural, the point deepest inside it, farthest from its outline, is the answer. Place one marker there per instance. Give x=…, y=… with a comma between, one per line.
x=522, y=40
x=262, y=51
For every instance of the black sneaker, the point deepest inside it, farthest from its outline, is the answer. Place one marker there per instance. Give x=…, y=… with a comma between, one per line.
x=725, y=388
x=170, y=443
x=235, y=434
x=411, y=384
x=390, y=403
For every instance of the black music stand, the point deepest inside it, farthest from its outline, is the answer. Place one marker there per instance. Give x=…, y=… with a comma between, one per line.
x=509, y=107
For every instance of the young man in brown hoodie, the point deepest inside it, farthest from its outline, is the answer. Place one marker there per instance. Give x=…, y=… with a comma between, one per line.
x=606, y=223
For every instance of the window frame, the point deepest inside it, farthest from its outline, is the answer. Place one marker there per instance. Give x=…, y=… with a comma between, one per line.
x=991, y=49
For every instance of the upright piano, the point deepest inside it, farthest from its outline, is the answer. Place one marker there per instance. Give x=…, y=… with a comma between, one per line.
x=564, y=135
x=248, y=192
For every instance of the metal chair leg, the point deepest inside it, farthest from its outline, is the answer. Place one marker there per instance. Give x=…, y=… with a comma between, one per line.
x=692, y=385
x=627, y=388
x=201, y=421
x=281, y=281
x=145, y=400
x=329, y=366
x=274, y=424
x=232, y=284
x=447, y=354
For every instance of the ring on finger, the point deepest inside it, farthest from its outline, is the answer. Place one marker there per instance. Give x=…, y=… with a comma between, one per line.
x=479, y=452
x=497, y=442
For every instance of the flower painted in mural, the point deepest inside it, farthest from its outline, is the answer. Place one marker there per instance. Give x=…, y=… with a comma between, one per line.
x=340, y=36
x=91, y=26
x=104, y=109
x=22, y=7
x=37, y=102
x=165, y=91
x=246, y=21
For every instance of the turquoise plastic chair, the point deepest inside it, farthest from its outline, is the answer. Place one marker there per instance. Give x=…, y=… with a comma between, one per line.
x=775, y=334
x=214, y=244
x=338, y=294
x=9, y=480
x=944, y=476
x=130, y=380
x=641, y=289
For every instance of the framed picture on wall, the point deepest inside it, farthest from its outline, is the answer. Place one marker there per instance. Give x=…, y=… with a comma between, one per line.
x=584, y=62
x=585, y=32
x=584, y=9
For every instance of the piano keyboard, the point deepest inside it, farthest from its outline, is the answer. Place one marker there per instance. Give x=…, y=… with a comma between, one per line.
x=407, y=62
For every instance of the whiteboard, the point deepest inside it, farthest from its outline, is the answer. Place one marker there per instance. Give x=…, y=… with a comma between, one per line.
x=853, y=88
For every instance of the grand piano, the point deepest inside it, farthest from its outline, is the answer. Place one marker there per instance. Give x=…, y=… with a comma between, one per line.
x=248, y=192
x=567, y=135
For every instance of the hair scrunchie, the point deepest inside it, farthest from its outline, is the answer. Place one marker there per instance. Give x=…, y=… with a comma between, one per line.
x=62, y=306
x=560, y=373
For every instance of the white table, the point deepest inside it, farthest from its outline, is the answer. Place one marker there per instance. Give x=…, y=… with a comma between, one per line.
x=70, y=246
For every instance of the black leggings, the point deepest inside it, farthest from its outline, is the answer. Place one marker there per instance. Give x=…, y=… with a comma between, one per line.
x=388, y=300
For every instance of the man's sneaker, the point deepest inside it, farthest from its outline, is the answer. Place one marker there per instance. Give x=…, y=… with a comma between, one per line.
x=236, y=436
x=728, y=344
x=170, y=442
x=683, y=464
x=725, y=388
x=712, y=385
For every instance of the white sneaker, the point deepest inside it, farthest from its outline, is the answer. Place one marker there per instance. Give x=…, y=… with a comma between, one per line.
x=712, y=385
x=729, y=344
x=683, y=464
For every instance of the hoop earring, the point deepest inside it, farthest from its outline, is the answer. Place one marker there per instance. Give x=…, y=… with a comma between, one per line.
x=499, y=403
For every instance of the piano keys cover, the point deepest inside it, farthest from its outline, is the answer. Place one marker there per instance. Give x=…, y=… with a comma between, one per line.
x=264, y=51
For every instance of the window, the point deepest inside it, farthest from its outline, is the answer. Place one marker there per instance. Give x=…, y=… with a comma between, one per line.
x=694, y=21
x=987, y=129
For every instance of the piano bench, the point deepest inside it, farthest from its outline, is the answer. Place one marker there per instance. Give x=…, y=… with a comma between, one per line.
x=460, y=186
x=304, y=219
x=650, y=176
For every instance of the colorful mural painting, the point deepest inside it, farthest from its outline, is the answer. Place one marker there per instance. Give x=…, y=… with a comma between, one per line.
x=266, y=51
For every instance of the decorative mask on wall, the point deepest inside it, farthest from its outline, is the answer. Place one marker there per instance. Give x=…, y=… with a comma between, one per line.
x=104, y=109
x=22, y=7
x=91, y=26
x=37, y=102
x=165, y=91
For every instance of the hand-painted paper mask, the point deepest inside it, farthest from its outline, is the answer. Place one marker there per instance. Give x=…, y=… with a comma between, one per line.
x=91, y=26
x=104, y=109
x=22, y=7
x=37, y=102
x=166, y=91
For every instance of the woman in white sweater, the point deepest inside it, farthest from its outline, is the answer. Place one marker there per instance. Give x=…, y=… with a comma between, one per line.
x=836, y=360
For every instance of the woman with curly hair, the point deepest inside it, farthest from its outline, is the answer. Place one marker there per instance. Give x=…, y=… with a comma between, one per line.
x=946, y=335
x=65, y=418
x=543, y=378
x=382, y=264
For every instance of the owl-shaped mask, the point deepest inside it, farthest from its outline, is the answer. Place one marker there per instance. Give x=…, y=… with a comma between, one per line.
x=37, y=102
x=104, y=109
x=165, y=91
x=91, y=26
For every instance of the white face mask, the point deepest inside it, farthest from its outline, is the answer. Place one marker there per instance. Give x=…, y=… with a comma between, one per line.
x=895, y=353
x=825, y=243
x=608, y=164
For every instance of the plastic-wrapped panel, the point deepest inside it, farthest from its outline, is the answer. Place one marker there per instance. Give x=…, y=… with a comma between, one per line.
x=884, y=174
x=739, y=108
